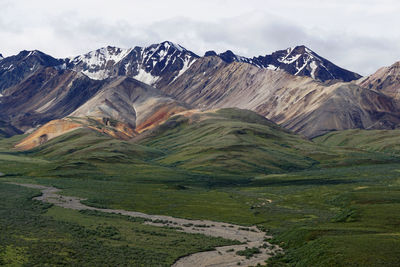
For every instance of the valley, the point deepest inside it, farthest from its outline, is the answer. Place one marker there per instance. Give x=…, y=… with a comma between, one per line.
x=155, y=156
x=335, y=207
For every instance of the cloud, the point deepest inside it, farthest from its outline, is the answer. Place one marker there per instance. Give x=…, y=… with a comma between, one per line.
x=358, y=35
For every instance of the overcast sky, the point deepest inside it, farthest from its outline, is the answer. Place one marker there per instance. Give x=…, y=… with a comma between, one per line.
x=360, y=35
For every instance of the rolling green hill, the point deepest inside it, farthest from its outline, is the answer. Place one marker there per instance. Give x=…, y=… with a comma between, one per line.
x=241, y=142
x=326, y=205
x=387, y=141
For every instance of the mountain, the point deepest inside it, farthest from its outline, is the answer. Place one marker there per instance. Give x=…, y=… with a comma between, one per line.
x=385, y=80
x=16, y=68
x=302, y=61
x=121, y=107
x=132, y=102
x=157, y=64
x=298, y=60
x=160, y=64
x=1, y=57
x=299, y=103
x=285, y=87
x=46, y=95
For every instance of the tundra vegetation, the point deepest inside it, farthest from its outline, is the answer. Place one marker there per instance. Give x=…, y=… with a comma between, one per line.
x=328, y=201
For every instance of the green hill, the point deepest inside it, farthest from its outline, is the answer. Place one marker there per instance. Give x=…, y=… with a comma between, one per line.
x=234, y=141
x=387, y=141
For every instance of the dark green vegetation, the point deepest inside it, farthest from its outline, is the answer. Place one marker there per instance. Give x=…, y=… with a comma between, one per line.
x=35, y=234
x=326, y=205
x=248, y=252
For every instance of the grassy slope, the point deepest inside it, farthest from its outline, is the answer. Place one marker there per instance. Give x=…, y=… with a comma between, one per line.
x=239, y=142
x=343, y=210
x=371, y=140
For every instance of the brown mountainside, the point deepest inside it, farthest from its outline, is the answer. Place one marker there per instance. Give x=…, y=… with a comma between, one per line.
x=301, y=104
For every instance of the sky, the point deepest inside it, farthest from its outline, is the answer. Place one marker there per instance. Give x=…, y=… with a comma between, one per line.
x=359, y=35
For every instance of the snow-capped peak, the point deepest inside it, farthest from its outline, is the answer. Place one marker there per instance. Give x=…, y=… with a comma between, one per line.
x=298, y=60
x=168, y=44
x=151, y=65
x=1, y=57
x=102, y=55
x=96, y=64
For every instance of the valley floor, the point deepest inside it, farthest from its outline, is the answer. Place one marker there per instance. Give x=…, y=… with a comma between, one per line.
x=343, y=213
x=250, y=237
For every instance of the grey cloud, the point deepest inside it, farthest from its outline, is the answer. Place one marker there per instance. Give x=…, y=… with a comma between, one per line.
x=250, y=34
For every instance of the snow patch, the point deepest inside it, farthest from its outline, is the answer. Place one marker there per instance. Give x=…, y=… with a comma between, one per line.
x=97, y=75
x=289, y=60
x=96, y=62
x=146, y=77
x=314, y=67
x=176, y=46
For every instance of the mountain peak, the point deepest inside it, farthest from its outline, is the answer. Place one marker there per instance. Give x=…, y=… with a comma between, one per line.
x=158, y=63
x=385, y=80
x=15, y=68
x=302, y=61
x=228, y=56
x=299, y=60
x=210, y=53
x=168, y=44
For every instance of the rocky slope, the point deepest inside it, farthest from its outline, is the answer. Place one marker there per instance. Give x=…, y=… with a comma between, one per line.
x=132, y=102
x=385, y=80
x=45, y=95
x=120, y=107
x=299, y=103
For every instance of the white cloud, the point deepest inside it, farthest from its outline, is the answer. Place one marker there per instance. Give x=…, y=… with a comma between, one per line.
x=358, y=35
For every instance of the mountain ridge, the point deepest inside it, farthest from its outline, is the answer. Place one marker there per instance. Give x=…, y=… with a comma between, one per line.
x=298, y=60
x=161, y=63
x=141, y=87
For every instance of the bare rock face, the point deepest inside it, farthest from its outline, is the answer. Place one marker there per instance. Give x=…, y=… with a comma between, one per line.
x=385, y=80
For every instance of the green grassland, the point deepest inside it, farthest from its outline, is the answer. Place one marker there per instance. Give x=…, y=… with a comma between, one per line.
x=327, y=204
x=373, y=140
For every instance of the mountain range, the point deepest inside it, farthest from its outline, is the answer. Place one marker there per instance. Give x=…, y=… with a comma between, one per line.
x=124, y=92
